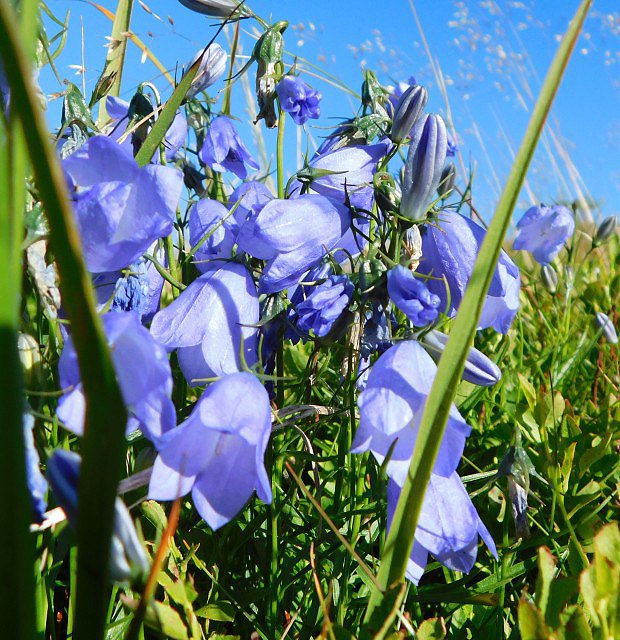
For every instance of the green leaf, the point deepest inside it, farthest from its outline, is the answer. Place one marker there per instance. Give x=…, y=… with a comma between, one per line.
x=74, y=108
x=546, y=571
x=575, y=625
x=531, y=622
x=432, y=629
x=221, y=611
x=166, y=620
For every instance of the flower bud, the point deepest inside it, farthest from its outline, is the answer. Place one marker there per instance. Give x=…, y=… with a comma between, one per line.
x=128, y=560
x=211, y=69
x=609, y=331
x=387, y=192
x=549, y=278
x=447, y=181
x=30, y=357
x=605, y=230
x=218, y=8
x=408, y=111
x=424, y=165
x=479, y=369
x=374, y=95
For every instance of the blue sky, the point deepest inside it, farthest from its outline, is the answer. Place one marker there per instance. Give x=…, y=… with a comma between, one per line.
x=492, y=54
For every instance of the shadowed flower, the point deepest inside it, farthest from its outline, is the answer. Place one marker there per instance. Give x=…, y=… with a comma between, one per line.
x=210, y=219
x=217, y=8
x=211, y=69
x=298, y=99
x=449, y=249
x=218, y=452
x=223, y=149
x=143, y=374
x=208, y=322
x=37, y=485
x=412, y=297
x=543, y=231
x=121, y=209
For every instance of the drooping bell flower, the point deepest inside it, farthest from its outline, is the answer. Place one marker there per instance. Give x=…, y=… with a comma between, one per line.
x=449, y=249
x=211, y=69
x=120, y=208
x=609, y=331
x=543, y=231
x=391, y=408
x=409, y=110
x=143, y=372
x=212, y=225
x=412, y=296
x=35, y=480
x=218, y=452
x=293, y=236
x=424, y=165
x=209, y=322
x=218, y=8
x=223, y=150
x=247, y=200
x=448, y=526
x=128, y=560
x=298, y=99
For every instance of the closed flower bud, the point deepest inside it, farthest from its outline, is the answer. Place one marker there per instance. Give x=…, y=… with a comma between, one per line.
x=218, y=8
x=30, y=357
x=479, y=369
x=408, y=111
x=424, y=166
x=549, y=278
x=212, y=66
x=387, y=192
x=447, y=181
x=605, y=230
x=609, y=331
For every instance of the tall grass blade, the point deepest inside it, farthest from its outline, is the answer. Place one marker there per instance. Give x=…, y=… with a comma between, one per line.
x=400, y=539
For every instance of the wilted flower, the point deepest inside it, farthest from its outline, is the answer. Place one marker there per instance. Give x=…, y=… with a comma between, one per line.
x=605, y=230
x=37, y=485
x=121, y=209
x=478, y=370
x=609, y=331
x=424, y=166
x=448, y=526
x=143, y=373
x=391, y=408
x=218, y=8
x=128, y=560
x=412, y=297
x=550, y=278
x=409, y=109
x=210, y=320
x=218, y=452
x=223, y=149
x=292, y=235
x=211, y=219
x=298, y=99
x=543, y=231
x=211, y=69
x=449, y=250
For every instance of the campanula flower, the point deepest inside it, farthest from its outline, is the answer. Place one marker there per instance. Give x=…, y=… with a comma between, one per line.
x=449, y=249
x=424, y=165
x=412, y=297
x=251, y=198
x=293, y=235
x=210, y=320
x=448, y=526
x=543, y=231
x=605, y=230
x=120, y=208
x=128, y=560
x=609, y=331
x=217, y=8
x=298, y=99
x=218, y=452
x=391, y=408
x=211, y=219
x=550, y=278
x=211, y=69
x=223, y=149
x=409, y=109
x=143, y=374
x=37, y=485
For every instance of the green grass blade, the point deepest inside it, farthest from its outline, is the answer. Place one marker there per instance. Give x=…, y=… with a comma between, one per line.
x=400, y=539
x=103, y=444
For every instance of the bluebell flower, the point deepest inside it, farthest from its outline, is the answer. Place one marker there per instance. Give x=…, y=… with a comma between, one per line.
x=408, y=111
x=211, y=69
x=412, y=297
x=323, y=305
x=391, y=408
x=120, y=208
x=543, y=231
x=210, y=320
x=218, y=8
x=609, y=331
x=37, y=485
x=452, y=145
x=218, y=452
x=223, y=149
x=448, y=526
x=424, y=165
x=5, y=92
x=298, y=99
x=449, y=249
x=293, y=235
x=251, y=198
x=128, y=560
x=143, y=373
x=211, y=218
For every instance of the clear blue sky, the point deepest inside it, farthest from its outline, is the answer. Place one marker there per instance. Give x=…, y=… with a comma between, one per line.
x=492, y=54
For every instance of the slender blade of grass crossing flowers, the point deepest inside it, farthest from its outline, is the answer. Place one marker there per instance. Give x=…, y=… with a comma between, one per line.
x=17, y=604
x=400, y=538
x=103, y=444
x=110, y=81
